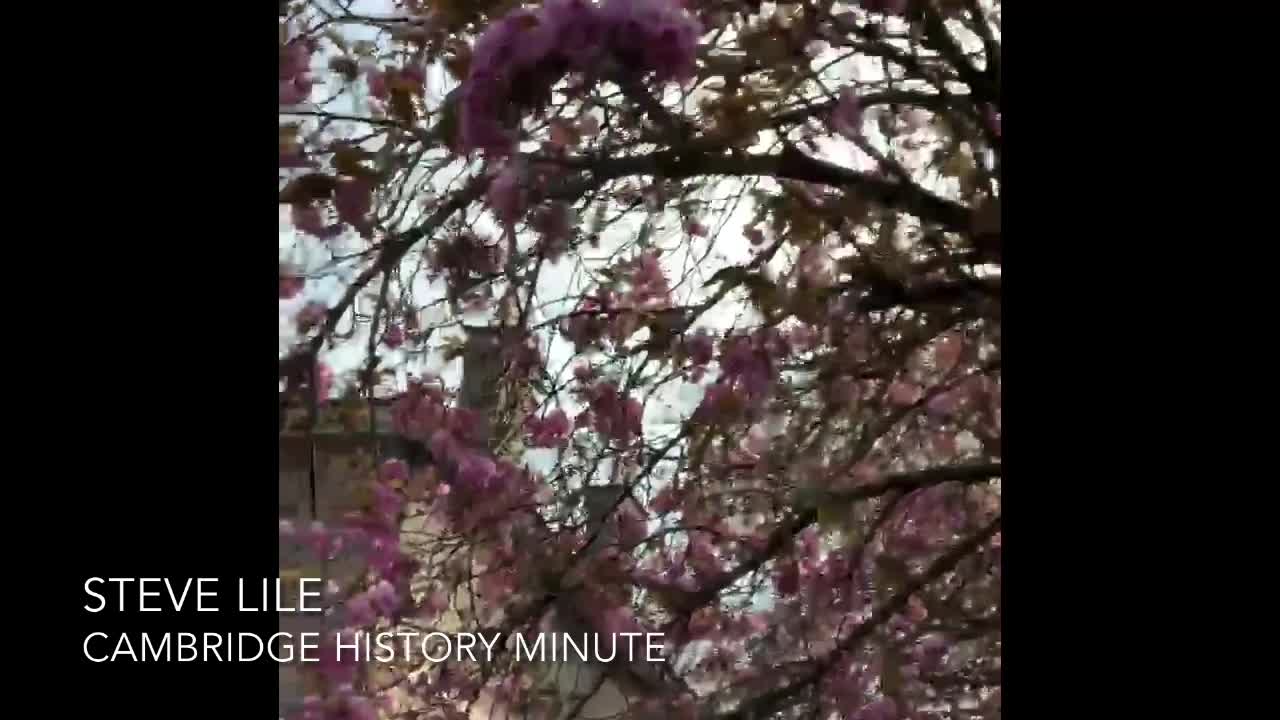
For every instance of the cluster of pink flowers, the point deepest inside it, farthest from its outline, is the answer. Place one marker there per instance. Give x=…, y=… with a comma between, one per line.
x=747, y=374
x=590, y=320
x=551, y=430
x=639, y=285
x=846, y=118
x=382, y=80
x=507, y=193
x=310, y=218
x=462, y=256
x=364, y=609
x=352, y=199
x=699, y=349
x=393, y=337
x=295, y=71
x=517, y=60
x=344, y=703
x=291, y=282
x=474, y=484
x=647, y=286
x=611, y=412
x=554, y=223
x=375, y=533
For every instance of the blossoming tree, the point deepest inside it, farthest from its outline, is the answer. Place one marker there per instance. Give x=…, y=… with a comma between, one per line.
x=731, y=265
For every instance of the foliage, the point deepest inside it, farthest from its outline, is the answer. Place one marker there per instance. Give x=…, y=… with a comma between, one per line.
x=741, y=260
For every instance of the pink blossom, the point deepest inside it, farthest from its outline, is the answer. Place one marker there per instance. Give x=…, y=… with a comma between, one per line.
x=702, y=623
x=517, y=41
x=295, y=59
x=360, y=611
x=816, y=266
x=484, y=106
x=467, y=425
x=805, y=337
x=578, y=30
x=755, y=623
x=699, y=347
x=290, y=283
x=382, y=549
x=665, y=501
x=353, y=199
x=648, y=282
x=393, y=471
x=618, y=620
x=633, y=528
x=476, y=472
x=656, y=35
x=944, y=404
x=310, y=315
x=555, y=223
x=904, y=393
x=377, y=80
x=867, y=473
x=360, y=708
x=702, y=556
x=931, y=652
x=317, y=537
x=613, y=413
x=308, y=218
x=946, y=351
x=337, y=668
x=758, y=440
x=507, y=194
x=387, y=502
x=788, y=578
x=393, y=337
x=883, y=709
x=437, y=602
x=292, y=159
x=413, y=75
x=720, y=402
x=846, y=118
x=550, y=431
x=295, y=91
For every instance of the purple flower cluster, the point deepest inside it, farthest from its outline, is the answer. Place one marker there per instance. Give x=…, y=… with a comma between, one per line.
x=553, y=430
x=656, y=35
x=519, y=58
x=295, y=72
x=611, y=412
x=475, y=484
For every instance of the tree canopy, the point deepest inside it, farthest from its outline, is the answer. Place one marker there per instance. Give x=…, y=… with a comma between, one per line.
x=733, y=266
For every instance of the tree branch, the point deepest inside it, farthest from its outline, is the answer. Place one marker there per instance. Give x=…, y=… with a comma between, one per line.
x=394, y=249
x=786, y=533
x=791, y=164
x=773, y=700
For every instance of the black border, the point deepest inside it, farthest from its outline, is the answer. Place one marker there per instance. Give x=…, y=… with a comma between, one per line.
x=155, y=411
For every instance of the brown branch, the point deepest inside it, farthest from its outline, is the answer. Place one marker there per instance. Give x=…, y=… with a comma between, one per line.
x=787, y=532
x=773, y=700
x=939, y=39
x=394, y=249
x=791, y=164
